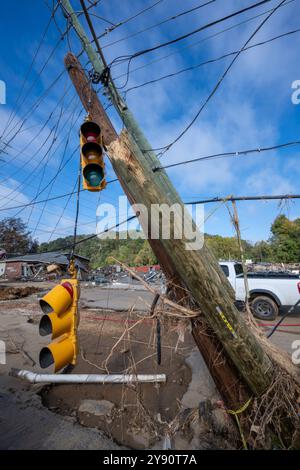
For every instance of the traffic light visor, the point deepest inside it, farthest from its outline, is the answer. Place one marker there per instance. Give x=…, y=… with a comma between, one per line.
x=57, y=300
x=54, y=325
x=60, y=354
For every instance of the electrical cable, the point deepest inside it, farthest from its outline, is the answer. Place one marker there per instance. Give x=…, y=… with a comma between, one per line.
x=54, y=198
x=33, y=109
x=13, y=111
x=36, y=136
x=90, y=237
x=166, y=148
x=210, y=61
x=206, y=38
x=174, y=17
x=41, y=179
x=121, y=23
x=39, y=74
x=187, y=35
x=61, y=166
x=77, y=212
x=228, y=154
x=54, y=138
x=245, y=198
x=290, y=310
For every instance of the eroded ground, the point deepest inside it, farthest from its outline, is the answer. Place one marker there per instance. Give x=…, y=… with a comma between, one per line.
x=108, y=416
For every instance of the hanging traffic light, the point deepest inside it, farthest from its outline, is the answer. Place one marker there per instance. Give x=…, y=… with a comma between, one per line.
x=60, y=319
x=92, y=163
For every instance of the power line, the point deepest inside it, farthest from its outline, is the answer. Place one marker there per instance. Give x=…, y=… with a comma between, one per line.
x=32, y=109
x=187, y=35
x=40, y=72
x=56, y=207
x=76, y=213
x=36, y=136
x=245, y=198
x=219, y=82
x=61, y=215
x=204, y=201
x=62, y=229
x=228, y=154
x=13, y=111
x=211, y=36
x=58, y=170
x=121, y=23
x=174, y=17
x=41, y=179
x=210, y=61
x=83, y=240
x=47, y=199
x=54, y=138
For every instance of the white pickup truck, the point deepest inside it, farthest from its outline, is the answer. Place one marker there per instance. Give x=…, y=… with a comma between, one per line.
x=268, y=291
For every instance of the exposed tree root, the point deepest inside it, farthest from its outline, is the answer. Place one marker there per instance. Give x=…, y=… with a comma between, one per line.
x=274, y=418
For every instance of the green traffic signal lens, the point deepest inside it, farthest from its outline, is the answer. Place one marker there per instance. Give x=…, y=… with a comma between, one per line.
x=93, y=174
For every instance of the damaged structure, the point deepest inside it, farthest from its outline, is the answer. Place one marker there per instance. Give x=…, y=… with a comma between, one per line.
x=42, y=266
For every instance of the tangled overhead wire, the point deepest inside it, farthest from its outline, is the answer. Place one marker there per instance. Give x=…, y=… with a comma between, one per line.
x=97, y=77
x=94, y=76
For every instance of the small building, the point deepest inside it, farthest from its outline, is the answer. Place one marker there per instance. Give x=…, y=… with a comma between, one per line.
x=43, y=266
x=147, y=269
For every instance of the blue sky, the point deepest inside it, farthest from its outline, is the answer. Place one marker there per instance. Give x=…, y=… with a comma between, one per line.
x=252, y=108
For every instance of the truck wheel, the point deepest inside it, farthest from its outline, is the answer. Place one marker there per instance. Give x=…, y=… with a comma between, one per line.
x=264, y=308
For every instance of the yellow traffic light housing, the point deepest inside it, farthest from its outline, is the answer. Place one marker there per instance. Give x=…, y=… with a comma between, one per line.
x=92, y=163
x=60, y=319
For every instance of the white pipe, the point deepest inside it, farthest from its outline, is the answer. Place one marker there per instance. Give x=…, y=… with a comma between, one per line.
x=35, y=378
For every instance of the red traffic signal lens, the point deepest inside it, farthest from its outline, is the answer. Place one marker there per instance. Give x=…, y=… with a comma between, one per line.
x=91, y=137
x=90, y=129
x=68, y=286
x=93, y=174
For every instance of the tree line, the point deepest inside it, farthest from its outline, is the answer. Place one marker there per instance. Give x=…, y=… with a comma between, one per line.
x=283, y=246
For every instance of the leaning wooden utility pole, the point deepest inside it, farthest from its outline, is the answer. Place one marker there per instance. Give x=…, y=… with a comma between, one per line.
x=197, y=270
x=224, y=373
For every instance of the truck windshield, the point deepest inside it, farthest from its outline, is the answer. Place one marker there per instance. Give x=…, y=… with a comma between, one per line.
x=238, y=269
x=225, y=269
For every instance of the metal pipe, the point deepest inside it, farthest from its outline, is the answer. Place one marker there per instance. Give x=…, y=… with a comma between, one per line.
x=34, y=377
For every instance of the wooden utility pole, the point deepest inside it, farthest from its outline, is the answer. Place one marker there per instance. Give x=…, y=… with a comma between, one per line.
x=240, y=354
x=225, y=374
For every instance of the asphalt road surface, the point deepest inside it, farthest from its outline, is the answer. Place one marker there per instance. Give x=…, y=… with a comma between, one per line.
x=115, y=299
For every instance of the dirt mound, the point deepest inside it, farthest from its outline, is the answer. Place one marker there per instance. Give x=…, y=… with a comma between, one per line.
x=11, y=293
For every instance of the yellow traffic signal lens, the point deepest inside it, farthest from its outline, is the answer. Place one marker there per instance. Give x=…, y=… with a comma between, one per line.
x=92, y=150
x=57, y=300
x=60, y=354
x=93, y=174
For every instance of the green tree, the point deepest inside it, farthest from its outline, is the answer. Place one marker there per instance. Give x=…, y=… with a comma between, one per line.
x=285, y=240
x=15, y=238
x=227, y=247
x=145, y=256
x=263, y=251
